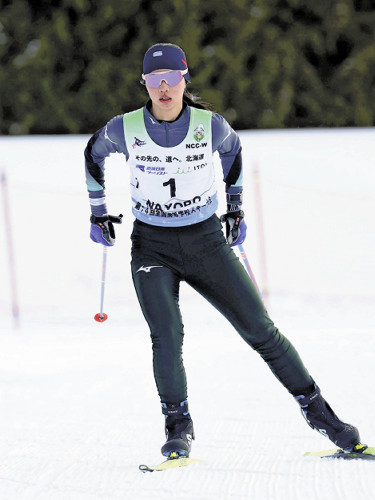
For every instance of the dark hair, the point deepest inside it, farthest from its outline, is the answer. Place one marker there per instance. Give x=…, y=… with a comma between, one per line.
x=196, y=101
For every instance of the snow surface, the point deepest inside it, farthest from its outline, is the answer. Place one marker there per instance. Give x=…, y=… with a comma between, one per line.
x=78, y=406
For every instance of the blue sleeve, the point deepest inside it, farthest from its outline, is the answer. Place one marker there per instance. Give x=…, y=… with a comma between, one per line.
x=227, y=143
x=109, y=139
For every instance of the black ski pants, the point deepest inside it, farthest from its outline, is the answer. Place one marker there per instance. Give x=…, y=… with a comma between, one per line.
x=198, y=254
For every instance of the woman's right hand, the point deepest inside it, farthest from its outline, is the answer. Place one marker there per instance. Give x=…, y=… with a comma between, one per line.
x=102, y=230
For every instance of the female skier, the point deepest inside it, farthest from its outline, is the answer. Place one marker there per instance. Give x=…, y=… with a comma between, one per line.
x=168, y=145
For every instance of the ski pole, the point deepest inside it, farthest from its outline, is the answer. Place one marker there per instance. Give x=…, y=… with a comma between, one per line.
x=100, y=317
x=248, y=268
x=11, y=259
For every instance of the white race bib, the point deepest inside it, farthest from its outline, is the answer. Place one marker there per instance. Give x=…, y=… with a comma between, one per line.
x=172, y=186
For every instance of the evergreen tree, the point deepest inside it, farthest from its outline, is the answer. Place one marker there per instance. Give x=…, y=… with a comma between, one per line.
x=68, y=66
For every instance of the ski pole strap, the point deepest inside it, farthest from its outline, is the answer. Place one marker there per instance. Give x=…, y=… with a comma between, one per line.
x=234, y=201
x=175, y=409
x=100, y=219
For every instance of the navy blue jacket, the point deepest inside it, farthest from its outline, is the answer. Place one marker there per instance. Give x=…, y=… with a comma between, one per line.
x=110, y=139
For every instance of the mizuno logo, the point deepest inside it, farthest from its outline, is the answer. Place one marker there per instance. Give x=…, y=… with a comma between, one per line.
x=189, y=438
x=146, y=269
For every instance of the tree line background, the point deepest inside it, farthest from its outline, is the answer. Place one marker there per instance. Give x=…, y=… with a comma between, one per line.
x=68, y=66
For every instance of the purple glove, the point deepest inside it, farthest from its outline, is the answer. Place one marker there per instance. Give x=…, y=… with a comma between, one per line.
x=102, y=230
x=235, y=227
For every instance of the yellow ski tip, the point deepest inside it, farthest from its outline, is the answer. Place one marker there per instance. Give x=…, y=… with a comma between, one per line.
x=369, y=450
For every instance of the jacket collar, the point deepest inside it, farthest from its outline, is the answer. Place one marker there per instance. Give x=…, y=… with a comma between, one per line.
x=181, y=120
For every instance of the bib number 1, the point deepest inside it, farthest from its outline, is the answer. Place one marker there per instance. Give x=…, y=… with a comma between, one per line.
x=172, y=184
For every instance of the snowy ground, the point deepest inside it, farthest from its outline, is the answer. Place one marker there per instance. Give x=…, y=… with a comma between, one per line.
x=78, y=406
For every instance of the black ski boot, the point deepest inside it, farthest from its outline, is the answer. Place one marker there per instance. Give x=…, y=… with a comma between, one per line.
x=178, y=429
x=320, y=416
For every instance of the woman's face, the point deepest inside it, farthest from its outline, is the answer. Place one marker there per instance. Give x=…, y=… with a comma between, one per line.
x=166, y=100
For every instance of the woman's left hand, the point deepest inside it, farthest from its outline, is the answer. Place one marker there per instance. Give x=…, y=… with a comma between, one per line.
x=235, y=227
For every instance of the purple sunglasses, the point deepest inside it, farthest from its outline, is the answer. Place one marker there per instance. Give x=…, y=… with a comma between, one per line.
x=172, y=78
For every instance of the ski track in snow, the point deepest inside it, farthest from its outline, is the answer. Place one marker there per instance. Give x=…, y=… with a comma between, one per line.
x=78, y=406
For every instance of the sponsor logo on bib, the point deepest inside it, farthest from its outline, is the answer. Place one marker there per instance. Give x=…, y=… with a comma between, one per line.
x=199, y=133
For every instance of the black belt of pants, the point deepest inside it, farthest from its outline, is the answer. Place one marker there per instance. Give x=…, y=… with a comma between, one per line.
x=162, y=257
